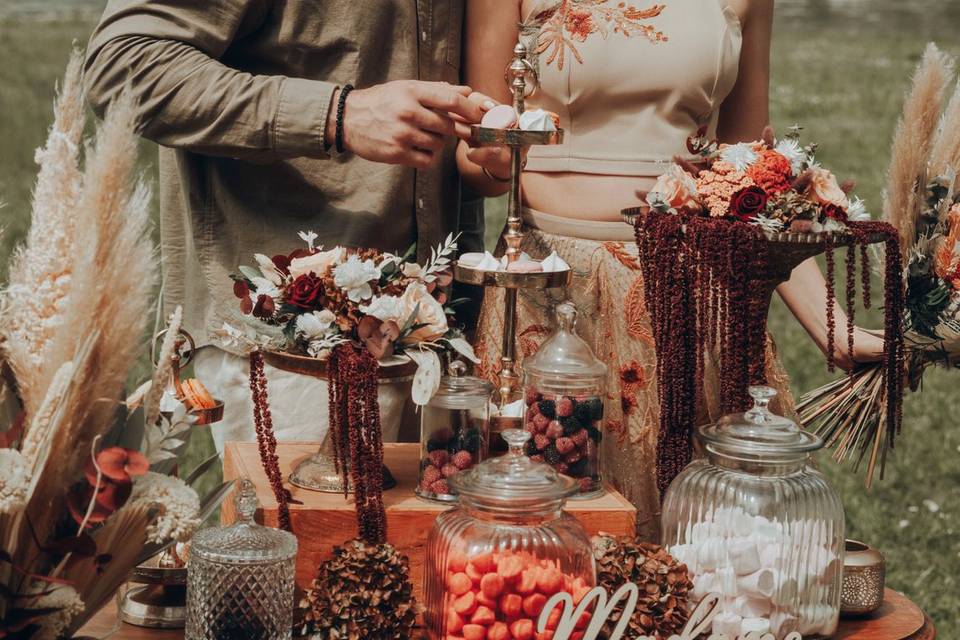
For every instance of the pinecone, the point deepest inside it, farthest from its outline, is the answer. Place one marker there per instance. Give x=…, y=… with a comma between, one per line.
x=663, y=583
x=363, y=591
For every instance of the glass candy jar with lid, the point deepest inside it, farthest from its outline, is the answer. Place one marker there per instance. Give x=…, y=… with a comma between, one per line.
x=760, y=527
x=493, y=562
x=563, y=393
x=240, y=578
x=453, y=432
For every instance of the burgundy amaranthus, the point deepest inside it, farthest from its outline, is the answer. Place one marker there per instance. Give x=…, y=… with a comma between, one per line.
x=707, y=287
x=266, y=440
x=356, y=429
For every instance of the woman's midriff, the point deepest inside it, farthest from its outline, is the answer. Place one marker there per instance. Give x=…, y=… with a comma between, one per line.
x=584, y=196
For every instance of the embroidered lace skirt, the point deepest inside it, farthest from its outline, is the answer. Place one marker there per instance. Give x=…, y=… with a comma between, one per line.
x=608, y=291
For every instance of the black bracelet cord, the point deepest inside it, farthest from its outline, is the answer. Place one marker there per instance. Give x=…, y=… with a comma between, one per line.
x=341, y=104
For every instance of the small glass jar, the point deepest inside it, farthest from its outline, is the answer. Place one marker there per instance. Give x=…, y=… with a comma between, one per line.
x=756, y=524
x=492, y=562
x=454, y=429
x=563, y=393
x=240, y=578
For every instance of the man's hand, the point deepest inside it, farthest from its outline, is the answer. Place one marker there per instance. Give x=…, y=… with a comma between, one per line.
x=403, y=122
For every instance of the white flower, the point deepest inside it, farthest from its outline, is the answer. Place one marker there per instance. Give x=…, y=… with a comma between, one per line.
x=857, y=211
x=316, y=263
x=14, y=481
x=767, y=224
x=931, y=506
x=386, y=308
x=321, y=347
x=268, y=268
x=740, y=155
x=263, y=287
x=315, y=325
x=64, y=599
x=309, y=237
x=177, y=504
x=412, y=270
x=355, y=276
x=790, y=149
x=430, y=314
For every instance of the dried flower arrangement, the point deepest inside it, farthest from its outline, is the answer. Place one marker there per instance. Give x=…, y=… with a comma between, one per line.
x=84, y=496
x=923, y=205
x=704, y=256
x=364, y=590
x=664, y=585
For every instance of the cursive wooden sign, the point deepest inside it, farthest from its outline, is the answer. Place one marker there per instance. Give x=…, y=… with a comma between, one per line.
x=699, y=623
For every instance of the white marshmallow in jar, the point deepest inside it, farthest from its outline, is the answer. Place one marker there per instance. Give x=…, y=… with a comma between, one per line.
x=756, y=524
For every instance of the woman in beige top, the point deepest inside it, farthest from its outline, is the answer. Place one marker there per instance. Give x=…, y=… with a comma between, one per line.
x=631, y=81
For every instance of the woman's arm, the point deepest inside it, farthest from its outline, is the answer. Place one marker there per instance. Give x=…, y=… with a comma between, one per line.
x=491, y=34
x=743, y=116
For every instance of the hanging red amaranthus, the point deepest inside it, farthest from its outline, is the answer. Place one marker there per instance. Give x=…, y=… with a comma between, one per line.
x=707, y=286
x=266, y=440
x=358, y=442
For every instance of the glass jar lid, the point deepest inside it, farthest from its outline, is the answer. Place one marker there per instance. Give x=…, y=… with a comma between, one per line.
x=244, y=542
x=564, y=356
x=514, y=482
x=759, y=432
x=460, y=391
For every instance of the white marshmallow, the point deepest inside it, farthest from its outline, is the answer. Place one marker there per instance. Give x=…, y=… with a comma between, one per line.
x=727, y=582
x=712, y=554
x=783, y=624
x=701, y=531
x=471, y=260
x=751, y=607
x=744, y=556
x=553, y=262
x=786, y=592
x=536, y=120
x=703, y=585
x=686, y=554
x=489, y=263
x=758, y=626
x=759, y=584
x=727, y=623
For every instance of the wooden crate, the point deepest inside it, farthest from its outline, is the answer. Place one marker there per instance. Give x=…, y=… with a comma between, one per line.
x=325, y=520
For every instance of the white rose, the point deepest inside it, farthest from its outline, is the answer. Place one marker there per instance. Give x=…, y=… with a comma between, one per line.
x=430, y=314
x=318, y=263
x=412, y=270
x=315, y=325
x=386, y=308
x=355, y=276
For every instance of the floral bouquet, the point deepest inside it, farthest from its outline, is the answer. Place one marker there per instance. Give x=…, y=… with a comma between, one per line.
x=923, y=204
x=386, y=303
x=776, y=185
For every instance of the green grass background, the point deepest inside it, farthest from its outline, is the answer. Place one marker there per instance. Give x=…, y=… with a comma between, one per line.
x=840, y=68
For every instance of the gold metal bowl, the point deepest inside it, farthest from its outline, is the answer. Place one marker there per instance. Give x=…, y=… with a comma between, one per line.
x=487, y=137
x=510, y=280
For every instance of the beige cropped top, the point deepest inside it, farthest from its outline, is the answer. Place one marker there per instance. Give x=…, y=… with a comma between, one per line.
x=630, y=80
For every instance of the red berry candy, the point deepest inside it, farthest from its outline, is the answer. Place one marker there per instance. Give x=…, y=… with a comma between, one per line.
x=430, y=475
x=554, y=430
x=586, y=484
x=462, y=460
x=564, y=407
x=438, y=458
x=541, y=441
x=537, y=458
x=565, y=445
x=450, y=470
x=441, y=487
x=541, y=422
x=581, y=437
x=573, y=457
x=562, y=467
x=531, y=395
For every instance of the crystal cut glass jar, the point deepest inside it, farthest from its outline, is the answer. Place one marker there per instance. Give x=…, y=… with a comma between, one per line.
x=493, y=562
x=454, y=431
x=563, y=393
x=240, y=578
x=756, y=524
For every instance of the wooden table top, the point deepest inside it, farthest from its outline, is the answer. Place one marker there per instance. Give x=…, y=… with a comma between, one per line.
x=897, y=619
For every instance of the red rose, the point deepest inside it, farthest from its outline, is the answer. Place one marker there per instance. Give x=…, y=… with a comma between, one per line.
x=306, y=292
x=748, y=203
x=837, y=213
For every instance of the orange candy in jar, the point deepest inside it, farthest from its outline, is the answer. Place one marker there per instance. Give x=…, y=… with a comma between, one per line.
x=495, y=561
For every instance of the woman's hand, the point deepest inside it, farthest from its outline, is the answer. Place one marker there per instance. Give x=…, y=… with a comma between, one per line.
x=867, y=347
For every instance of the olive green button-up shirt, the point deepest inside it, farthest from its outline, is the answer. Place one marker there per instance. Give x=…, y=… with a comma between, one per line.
x=237, y=94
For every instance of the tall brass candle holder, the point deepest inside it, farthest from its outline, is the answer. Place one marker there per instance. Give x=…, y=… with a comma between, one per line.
x=517, y=140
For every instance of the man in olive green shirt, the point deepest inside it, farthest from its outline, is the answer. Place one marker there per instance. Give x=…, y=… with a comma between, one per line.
x=242, y=96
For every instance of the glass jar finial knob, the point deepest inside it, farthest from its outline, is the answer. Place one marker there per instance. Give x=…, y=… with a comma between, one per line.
x=762, y=396
x=246, y=501
x=566, y=315
x=515, y=439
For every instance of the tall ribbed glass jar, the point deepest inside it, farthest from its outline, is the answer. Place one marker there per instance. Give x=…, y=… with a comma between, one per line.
x=454, y=432
x=563, y=394
x=240, y=578
x=759, y=526
x=492, y=562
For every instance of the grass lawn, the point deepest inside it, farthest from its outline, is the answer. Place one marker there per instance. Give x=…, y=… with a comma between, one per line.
x=843, y=80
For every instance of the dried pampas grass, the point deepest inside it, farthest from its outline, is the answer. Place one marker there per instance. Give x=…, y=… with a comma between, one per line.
x=41, y=270
x=945, y=157
x=912, y=144
x=161, y=376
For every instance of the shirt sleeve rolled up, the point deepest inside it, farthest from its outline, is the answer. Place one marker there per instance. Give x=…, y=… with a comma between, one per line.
x=167, y=52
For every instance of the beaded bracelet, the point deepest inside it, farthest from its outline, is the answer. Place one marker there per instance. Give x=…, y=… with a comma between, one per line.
x=341, y=105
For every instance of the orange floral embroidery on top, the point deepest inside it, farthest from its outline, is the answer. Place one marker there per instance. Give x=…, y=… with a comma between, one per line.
x=572, y=21
x=635, y=310
x=531, y=337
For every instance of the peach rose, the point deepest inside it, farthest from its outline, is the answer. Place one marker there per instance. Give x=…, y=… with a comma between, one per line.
x=430, y=314
x=677, y=189
x=316, y=263
x=825, y=189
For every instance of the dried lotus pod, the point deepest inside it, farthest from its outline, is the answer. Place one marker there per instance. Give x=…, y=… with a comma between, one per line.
x=663, y=584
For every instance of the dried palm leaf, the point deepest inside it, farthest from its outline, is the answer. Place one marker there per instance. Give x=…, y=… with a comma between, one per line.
x=161, y=375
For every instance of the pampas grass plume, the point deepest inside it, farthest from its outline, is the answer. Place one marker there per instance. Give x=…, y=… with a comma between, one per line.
x=161, y=376
x=945, y=156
